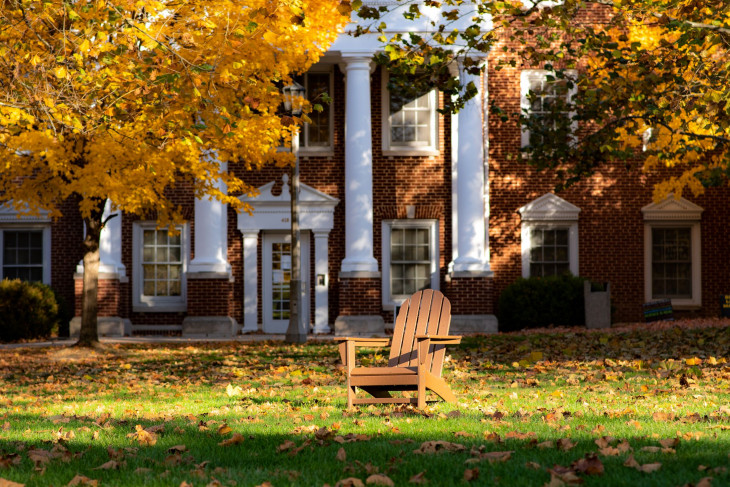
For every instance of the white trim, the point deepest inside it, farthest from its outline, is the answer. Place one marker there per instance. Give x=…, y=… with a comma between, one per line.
x=22, y=226
x=549, y=212
x=528, y=227
x=391, y=149
x=673, y=213
x=528, y=79
x=157, y=304
x=389, y=302
x=280, y=326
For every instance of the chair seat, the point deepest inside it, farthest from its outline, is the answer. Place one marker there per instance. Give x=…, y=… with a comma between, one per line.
x=384, y=371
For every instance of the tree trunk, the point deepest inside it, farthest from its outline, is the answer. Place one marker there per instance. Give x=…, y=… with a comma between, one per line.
x=89, y=335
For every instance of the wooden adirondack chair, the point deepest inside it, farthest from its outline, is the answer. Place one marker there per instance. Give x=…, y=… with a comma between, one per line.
x=416, y=354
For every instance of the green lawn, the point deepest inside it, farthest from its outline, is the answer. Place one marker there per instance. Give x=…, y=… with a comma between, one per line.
x=635, y=408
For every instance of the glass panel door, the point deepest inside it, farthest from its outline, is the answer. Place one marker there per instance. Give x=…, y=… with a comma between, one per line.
x=277, y=270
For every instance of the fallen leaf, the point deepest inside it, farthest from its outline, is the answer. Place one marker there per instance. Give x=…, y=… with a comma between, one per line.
x=9, y=483
x=143, y=436
x=497, y=456
x=419, y=478
x=471, y=474
x=463, y=434
x=110, y=465
x=81, y=480
x=379, y=479
x=533, y=465
x=39, y=457
x=350, y=482
x=287, y=445
x=589, y=465
x=439, y=446
x=546, y=444
x=669, y=442
x=177, y=448
x=341, y=455
x=233, y=440
x=651, y=449
x=224, y=429
x=566, y=444
x=650, y=467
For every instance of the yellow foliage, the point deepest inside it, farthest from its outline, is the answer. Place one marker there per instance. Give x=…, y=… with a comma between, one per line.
x=109, y=104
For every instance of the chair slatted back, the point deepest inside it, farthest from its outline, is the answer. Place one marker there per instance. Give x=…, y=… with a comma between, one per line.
x=426, y=312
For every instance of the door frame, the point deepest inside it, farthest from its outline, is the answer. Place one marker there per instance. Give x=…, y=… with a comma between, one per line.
x=270, y=325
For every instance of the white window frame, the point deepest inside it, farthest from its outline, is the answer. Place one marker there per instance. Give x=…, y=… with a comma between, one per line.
x=528, y=78
x=527, y=230
x=395, y=149
x=390, y=302
x=549, y=212
x=672, y=213
x=157, y=304
x=24, y=227
x=304, y=148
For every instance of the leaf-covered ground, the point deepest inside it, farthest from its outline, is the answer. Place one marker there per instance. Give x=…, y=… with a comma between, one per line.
x=633, y=406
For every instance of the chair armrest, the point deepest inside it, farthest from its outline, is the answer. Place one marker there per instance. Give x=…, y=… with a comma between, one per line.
x=440, y=339
x=348, y=344
x=365, y=342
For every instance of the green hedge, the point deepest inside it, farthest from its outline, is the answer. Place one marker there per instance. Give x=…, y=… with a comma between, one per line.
x=27, y=310
x=542, y=301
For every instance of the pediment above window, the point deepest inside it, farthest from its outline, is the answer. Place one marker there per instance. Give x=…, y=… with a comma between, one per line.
x=8, y=214
x=549, y=207
x=672, y=209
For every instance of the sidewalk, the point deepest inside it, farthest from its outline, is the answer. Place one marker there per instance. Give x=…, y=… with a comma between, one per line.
x=64, y=342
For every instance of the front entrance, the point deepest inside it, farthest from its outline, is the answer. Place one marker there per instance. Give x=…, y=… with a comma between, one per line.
x=276, y=269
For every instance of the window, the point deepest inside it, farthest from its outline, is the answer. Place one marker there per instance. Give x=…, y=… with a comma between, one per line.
x=409, y=121
x=317, y=134
x=672, y=252
x=671, y=262
x=160, y=266
x=549, y=237
x=549, y=251
x=25, y=254
x=541, y=92
x=410, y=259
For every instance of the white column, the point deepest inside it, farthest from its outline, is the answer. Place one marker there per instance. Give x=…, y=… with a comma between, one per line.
x=211, y=235
x=470, y=227
x=250, y=280
x=358, y=169
x=110, y=245
x=321, y=264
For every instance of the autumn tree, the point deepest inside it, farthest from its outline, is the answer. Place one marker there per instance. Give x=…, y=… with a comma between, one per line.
x=652, y=85
x=124, y=99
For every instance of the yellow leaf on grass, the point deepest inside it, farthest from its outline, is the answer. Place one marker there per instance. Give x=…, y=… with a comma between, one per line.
x=693, y=361
x=233, y=391
x=9, y=483
x=81, y=480
x=379, y=479
x=224, y=429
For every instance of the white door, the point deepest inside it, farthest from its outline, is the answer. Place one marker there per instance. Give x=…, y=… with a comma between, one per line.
x=276, y=269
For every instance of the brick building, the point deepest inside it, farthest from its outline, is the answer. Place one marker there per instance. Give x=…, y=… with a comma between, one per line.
x=395, y=197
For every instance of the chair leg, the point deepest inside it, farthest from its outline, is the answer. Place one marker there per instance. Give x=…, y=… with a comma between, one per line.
x=350, y=394
x=421, y=398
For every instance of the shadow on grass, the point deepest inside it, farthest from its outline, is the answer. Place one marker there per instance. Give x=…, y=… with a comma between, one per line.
x=308, y=455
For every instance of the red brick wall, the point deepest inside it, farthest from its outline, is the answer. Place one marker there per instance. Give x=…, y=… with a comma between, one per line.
x=210, y=297
x=360, y=297
x=470, y=295
x=611, y=225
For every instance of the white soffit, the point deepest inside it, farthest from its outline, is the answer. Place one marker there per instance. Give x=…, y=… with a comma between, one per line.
x=549, y=207
x=8, y=214
x=672, y=209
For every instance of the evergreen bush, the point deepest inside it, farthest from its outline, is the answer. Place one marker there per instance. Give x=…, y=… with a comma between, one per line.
x=27, y=310
x=537, y=302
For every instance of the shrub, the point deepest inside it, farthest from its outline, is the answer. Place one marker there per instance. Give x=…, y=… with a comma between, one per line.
x=27, y=310
x=542, y=301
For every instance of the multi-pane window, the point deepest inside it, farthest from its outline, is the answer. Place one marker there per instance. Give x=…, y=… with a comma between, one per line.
x=317, y=134
x=411, y=119
x=23, y=255
x=671, y=262
x=545, y=98
x=410, y=260
x=549, y=252
x=162, y=263
x=281, y=280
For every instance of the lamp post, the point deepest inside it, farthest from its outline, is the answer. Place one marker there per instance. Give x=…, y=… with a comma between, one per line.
x=297, y=330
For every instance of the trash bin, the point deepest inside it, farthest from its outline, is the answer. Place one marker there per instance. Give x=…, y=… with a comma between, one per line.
x=597, y=298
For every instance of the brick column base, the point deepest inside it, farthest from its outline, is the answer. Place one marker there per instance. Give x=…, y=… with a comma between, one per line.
x=472, y=304
x=112, y=319
x=209, y=309
x=360, y=304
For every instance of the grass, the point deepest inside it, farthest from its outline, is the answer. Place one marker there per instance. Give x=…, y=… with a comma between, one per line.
x=246, y=414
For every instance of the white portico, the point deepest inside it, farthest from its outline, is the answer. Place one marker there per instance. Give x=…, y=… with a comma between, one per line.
x=270, y=221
